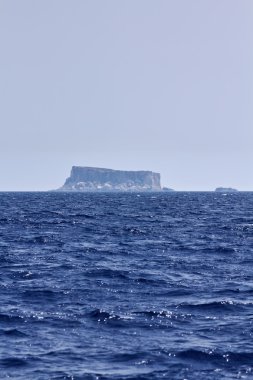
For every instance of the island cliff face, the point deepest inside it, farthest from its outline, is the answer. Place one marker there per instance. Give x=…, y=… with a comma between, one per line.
x=99, y=179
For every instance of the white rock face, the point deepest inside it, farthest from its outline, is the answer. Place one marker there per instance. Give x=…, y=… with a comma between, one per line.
x=100, y=179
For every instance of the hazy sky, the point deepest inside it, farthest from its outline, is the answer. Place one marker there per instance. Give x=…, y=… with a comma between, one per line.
x=162, y=85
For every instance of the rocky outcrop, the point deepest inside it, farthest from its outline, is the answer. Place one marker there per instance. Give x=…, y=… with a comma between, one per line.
x=225, y=190
x=99, y=179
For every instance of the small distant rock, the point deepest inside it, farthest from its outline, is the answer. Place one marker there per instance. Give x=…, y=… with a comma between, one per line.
x=225, y=190
x=167, y=189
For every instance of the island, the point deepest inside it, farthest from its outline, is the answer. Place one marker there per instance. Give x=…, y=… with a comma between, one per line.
x=225, y=190
x=100, y=179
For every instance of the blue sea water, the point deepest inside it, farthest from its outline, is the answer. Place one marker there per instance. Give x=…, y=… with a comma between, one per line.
x=126, y=286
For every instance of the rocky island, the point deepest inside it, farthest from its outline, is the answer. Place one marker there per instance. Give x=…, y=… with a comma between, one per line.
x=225, y=190
x=100, y=179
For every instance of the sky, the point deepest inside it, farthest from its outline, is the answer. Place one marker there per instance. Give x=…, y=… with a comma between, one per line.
x=161, y=85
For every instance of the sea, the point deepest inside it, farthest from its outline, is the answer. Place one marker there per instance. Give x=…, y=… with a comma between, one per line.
x=120, y=286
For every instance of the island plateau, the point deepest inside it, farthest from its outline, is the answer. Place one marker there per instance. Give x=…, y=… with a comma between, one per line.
x=100, y=179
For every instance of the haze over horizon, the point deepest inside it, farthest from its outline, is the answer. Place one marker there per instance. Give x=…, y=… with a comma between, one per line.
x=162, y=85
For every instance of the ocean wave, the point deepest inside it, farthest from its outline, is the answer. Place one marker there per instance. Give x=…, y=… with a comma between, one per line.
x=225, y=358
x=163, y=314
x=223, y=305
x=108, y=273
x=12, y=362
x=100, y=315
x=10, y=318
x=12, y=333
